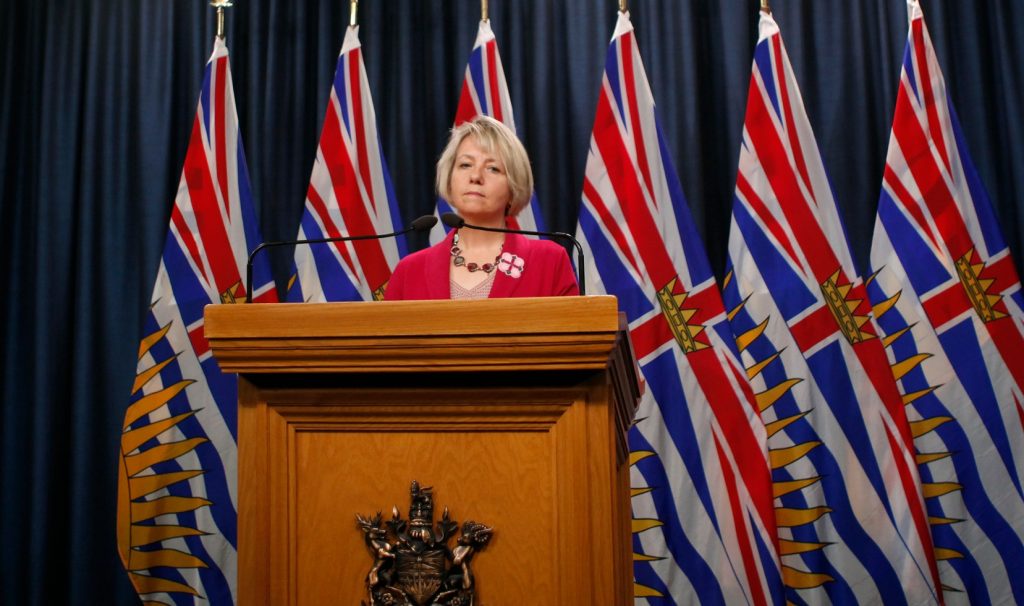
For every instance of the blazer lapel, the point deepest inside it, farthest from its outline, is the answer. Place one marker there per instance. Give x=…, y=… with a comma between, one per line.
x=438, y=278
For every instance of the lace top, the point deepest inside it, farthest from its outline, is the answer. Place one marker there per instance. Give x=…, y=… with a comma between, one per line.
x=480, y=291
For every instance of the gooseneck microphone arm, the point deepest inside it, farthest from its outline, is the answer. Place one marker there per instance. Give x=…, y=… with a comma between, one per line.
x=455, y=222
x=423, y=223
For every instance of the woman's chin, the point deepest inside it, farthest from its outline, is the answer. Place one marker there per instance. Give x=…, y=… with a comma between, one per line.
x=481, y=218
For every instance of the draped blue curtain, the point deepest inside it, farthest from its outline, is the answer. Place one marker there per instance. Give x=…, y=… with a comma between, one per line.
x=98, y=97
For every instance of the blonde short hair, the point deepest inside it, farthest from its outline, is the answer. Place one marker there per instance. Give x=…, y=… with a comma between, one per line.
x=494, y=138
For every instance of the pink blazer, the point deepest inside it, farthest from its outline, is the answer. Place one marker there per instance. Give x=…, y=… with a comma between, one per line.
x=546, y=272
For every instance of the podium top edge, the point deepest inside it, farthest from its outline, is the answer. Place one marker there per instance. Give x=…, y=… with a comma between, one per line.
x=561, y=315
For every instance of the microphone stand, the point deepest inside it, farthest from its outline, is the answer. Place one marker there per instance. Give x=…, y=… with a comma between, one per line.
x=420, y=224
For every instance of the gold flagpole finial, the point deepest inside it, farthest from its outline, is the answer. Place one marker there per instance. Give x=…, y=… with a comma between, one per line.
x=622, y=6
x=484, y=14
x=220, y=5
x=765, y=7
x=352, y=6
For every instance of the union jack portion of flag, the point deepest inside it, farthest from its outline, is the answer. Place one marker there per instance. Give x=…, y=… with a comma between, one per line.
x=349, y=193
x=948, y=300
x=702, y=506
x=176, y=515
x=485, y=93
x=852, y=524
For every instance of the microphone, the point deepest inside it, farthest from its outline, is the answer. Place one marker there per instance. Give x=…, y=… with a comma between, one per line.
x=423, y=223
x=455, y=222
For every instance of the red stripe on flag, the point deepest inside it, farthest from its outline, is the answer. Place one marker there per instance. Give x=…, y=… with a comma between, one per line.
x=221, y=131
x=626, y=50
x=197, y=336
x=929, y=178
x=741, y=524
x=346, y=191
x=1004, y=272
x=908, y=202
x=787, y=113
x=355, y=93
x=623, y=178
x=1020, y=411
x=650, y=335
x=875, y=364
x=915, y=503
x=467, y=110
x=185, y=236
x=267, y=296
x=943, y=305
x=771, y=153
x=492, y=80
x=924, y=83
x=733, y=420
x=608, y=223
x=768, y=218
x=1010, y=344
x=758, y=477
x=330, y=229
x=213, y=235
x=814, y=328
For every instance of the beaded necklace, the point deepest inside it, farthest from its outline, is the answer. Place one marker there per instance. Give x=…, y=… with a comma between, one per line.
x=459, y=261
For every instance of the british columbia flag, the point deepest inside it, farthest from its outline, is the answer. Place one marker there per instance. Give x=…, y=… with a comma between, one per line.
x=703, y=524
x=485, y=93
x=349, y=193
x=176, y=515
x=851, y=518
x=948, y=302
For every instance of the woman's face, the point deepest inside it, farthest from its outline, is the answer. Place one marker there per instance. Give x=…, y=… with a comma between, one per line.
x=479, y=185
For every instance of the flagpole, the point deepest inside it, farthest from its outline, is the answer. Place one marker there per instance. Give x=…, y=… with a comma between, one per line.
x=622, y=6
x=220, y=5
x=765, y=7
x=484, y=15
x=352, y=6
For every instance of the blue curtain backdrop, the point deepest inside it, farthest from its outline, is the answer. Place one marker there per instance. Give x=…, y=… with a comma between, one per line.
x=98, y=97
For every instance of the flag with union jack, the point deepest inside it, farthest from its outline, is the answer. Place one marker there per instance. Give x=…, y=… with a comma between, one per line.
x=703, y=524
x=485, y=93
x=851, y=518
x=948, y=301
x=349, y=193
x=176, y=514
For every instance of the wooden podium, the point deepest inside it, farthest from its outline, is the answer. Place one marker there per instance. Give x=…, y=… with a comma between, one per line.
x=514, y=410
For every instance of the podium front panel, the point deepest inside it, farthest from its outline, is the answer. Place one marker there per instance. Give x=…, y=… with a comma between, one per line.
x=537, y=468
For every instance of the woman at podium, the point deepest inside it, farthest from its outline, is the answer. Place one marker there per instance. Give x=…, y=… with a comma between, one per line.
x=484, y=174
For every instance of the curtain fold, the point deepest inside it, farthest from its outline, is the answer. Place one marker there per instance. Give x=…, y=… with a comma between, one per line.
x=96, y=109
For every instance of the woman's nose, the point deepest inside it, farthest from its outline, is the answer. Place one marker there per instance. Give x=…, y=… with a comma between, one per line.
x=476, y=174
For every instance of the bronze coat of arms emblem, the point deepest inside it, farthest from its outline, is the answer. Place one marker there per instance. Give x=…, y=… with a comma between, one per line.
x=412, y=563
